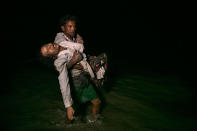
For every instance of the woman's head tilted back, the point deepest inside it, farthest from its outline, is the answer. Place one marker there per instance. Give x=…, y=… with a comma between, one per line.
x=50, y=50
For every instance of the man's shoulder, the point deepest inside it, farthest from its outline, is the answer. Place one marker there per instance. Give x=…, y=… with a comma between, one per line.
x=59, y=34
x=59, y=37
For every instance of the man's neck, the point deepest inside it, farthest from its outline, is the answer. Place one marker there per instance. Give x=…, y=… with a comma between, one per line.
x=69, y=37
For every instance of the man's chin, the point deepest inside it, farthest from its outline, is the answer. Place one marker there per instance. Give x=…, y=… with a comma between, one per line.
x=72, y=34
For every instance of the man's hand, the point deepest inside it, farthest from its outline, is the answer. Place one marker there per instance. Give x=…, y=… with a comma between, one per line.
x=77, y=56
x=70, y=112
x=78, y=66
x=79, y=39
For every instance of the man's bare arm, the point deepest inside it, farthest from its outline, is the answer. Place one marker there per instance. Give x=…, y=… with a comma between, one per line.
x=77, y=56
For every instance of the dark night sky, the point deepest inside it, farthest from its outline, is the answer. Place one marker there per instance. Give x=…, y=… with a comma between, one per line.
x=144, y=34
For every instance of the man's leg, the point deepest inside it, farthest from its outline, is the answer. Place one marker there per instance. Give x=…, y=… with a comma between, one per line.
x=95, y=116
x=95, y=106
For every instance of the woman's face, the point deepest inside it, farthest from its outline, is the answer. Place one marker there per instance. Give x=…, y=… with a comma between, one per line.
x=50, y=49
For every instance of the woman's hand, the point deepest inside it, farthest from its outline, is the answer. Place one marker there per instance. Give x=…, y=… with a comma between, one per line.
x=70, y=113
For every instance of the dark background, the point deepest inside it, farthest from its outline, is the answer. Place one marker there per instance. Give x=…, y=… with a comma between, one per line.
x=148, y=35
x=139, y=37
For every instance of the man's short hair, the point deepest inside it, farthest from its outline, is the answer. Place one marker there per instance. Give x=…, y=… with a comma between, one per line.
x=64, y=19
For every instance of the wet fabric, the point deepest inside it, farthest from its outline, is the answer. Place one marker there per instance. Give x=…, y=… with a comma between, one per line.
x=85, y=94
x=98, y=62
x=60, y=64
x=99, y=66
x=71, y=47
x=82, y=80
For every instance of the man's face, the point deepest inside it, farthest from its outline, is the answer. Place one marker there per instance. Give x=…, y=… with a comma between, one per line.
x=50, y=49
x=69, y=28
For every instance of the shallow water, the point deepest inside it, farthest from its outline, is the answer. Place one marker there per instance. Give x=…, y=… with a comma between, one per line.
x=134, y=102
